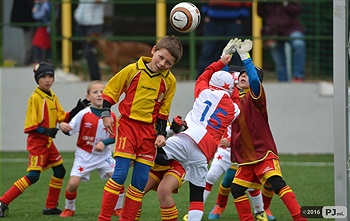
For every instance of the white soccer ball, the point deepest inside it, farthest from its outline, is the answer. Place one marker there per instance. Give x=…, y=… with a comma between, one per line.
x=185, y=17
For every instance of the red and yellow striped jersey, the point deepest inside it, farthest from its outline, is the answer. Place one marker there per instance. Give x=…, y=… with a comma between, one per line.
x=148, y=95
x=45, y=111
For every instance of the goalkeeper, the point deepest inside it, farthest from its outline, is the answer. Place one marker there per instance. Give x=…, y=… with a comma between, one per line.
x=253, y=146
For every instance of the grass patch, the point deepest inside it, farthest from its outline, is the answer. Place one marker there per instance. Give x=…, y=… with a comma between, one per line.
x=313, y=185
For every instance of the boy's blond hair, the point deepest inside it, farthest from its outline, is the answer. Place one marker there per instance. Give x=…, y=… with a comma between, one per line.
x=88, y=89
x=172, y=44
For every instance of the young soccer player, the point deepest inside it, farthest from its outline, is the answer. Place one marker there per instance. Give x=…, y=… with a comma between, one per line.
x=94, y=151
x=44, y=111
x=215, y=107
x=149, y=87
x=220, y=164
x=253, y=146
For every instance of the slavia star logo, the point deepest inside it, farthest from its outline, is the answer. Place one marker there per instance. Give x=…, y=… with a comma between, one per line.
x=219, y=157
x=81, y=169
x=226, y=86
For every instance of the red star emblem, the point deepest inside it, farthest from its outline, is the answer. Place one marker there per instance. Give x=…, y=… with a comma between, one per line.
x=81, y=169
x=219, y=157
x=226, y=86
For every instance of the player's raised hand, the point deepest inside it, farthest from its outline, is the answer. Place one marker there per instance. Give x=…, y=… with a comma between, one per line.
x=226, y=59
x=229, y=48
x=243, y=48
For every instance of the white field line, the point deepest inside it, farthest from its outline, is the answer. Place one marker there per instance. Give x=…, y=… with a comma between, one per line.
x=284, y=163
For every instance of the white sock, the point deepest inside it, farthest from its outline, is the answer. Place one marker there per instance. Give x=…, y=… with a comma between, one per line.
x=70, y=204
x=257, y=202
x=120, y=201
x=205, y=195
x=195, y=215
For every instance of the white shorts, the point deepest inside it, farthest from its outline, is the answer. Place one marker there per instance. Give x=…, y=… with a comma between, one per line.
x=222, y=158
x=183, y=149
x=85, y=163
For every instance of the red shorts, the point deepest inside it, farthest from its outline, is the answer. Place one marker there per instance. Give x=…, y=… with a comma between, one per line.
x=253, y=175
x=175, y=169
x=135, y=140
x=44, y=158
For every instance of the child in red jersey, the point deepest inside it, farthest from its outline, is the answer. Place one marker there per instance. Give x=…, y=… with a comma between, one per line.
x=44, y=111
x=94, y=151
x=253, y=146
x=149, y=87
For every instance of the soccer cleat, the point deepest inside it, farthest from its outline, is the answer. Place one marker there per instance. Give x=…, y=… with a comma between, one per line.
x=185, y=218
x=118, y=212
x=261, y=216
x=53, y=211
x=216, y=212
x=269, y=215
x=3, y=209
x=67, y=213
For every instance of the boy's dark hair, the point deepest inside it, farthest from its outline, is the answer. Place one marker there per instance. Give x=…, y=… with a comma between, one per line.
x=43, y=68
x=172, y=44
x=258, y=71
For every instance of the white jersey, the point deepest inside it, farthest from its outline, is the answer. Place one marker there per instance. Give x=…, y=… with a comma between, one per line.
x=213, y=111
x=91, y=131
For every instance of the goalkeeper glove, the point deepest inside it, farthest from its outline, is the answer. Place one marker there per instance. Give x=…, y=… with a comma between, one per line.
x=80, y=106
x=243, y=48
x=230, y=48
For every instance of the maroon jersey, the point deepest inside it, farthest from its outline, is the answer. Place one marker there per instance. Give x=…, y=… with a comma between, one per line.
x=251, y=139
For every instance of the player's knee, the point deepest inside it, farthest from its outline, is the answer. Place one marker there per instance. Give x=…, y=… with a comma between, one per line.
x=196, y=193
x=59, y=171
x=140, y=175
x=212, y=176
x=277, y=183
x=33, y=176
x=237, y=190
x=229, y=175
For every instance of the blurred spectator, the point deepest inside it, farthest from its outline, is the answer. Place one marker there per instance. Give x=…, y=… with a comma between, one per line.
x=89, y=16
x=280, y=19
x=42, y=41
x=222, y=18
x=22, y=13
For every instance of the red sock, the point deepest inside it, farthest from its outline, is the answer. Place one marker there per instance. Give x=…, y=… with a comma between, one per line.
x=223, y=196
x=208, y=186
x=132, y=203
x=267, y=194
x=71, y=195
x=169, y=213
x=288, y=197
x=55, y=187
x=243, y=208
x=15, y=190
x=109, y=199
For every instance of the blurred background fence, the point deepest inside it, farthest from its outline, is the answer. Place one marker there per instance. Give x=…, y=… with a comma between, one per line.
x=135, y=20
